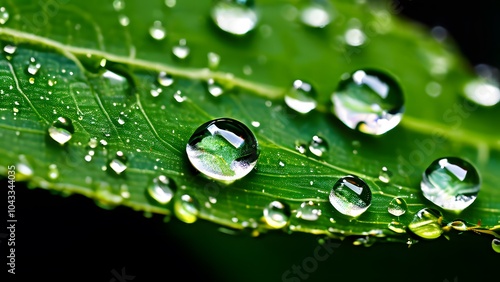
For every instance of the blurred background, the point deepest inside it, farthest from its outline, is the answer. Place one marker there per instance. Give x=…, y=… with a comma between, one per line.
x=72, y=239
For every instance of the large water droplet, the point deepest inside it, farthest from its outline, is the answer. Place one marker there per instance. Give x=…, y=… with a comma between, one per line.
x=316, y=13
x=119, y=163
x=451, y=183
x=484, y=90
x=187, y=208
x=397, y=206
x=301, y=97
x=370, y=101
x=427, y=224
x=61, y=130
x=318, y=146
x=276, y=214
x=223, y=149
x=162, y=189
x=237, y=17
x=4, y=15
x=351, y=196
x=309, y=211
x=495, y=244
x=157, y=31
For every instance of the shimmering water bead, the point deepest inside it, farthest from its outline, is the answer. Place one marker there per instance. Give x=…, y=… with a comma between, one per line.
x=157, y=30
x=119, y=162
x=61, y=130
x=451, y=183
x=277, y=214
x=485, y=89
x=301, y=97
x=370, y=101
x=162, y=189
x=318, y=146
x=316, y=13
x=223, y=149
x=397, y=206
x=187, y=208
x=427, y=224
x=236, y=17
x=309, y=211
x=351, y=196
x=4, y=15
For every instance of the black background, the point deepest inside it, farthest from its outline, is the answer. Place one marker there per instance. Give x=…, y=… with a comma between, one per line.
x=72, y=239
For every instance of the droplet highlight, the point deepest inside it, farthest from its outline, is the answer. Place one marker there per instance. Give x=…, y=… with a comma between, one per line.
x=397, y=206
x=187, y=208
x=318, y=146
x=351, y=196
x=162, y=189
x=277, y=214
x=451, y=183
x=301, y=97
x=61, y=130
x=316, y=13
x=4, y=15
x=309, y=211
x=157, y=30
x=236, y=17
x=119, y=163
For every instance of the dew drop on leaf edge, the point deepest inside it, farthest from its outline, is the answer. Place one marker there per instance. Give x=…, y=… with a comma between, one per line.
x=186, y=208
x=276, y=214
x=162, y=189
x=427, y=224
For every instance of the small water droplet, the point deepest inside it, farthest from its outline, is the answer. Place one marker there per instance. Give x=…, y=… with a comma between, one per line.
x=236, y=17
x=119, y=163
x=282, y=164
x=397, y=206
x=355, y=37
x=155, y=92
x=223, y=149
x=433, y=89
x=162, y=189
x=24, y=170
x=93, y=143
x=105, y=197
x=170, y=3
x=187, y=208
x=10, y=49
x=181, y=51
x=397, y=227
x=123, y=20
x=301, y=97
x=61, y=130
x=318, y=146
x=178, y=97
x=351, y=196
x=157, y=31
x=165, y=79
x=213, y=60
x=427, y=223
x=255, y=123
x=33, y=66
x=301, y=147
x=451, y=183
x=118, y=5
x=370, y=101
x=316, y=13
x=484, y=90
x=385, y=175
x=458, y=224
x=309, y=211
x=214, y=88
x=277, y=214
x=53, y=171
x=495, y=244
x=4, y=15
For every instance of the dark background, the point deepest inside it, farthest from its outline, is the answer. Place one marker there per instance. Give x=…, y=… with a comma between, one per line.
x=71, y=239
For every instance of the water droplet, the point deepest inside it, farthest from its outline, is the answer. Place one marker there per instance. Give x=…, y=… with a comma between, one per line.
x=178, y=97
x=309, y=211
x=318, y=146
x=165, y=79
x=316, y=13
x=236, y=17
x=369, y=101
x=33, y=66
x=385, y=175
x=24, y=170
x=351, y=196
x=187, y=208
x=4, y=15
x=301, y=97
x=495, y=244
x=157, y=31
x=484, y=90
x=53, y=171
x=276, y=214
x=397, y=227
x=458, y=224
x=118, y=5
x=213, y=60
x=181, y=51
x=123, y=20
x=355, y=37
x=61, y=130
x=223, y=149
x=433, y=89
x=397, y=206
x=451, y=183
x=162, y=189
x=427, y=223
x=301, y=147
x=170, y=3
x=10, y=49
x=119, y=163
x=214, y=88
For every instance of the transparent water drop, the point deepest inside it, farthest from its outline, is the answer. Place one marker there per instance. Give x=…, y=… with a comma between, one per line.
x=10, y=49
x=427, y=223
x=178, y=97
x=53, y=172
x=433, y=89
x=105, y=197
x=214, y=88
x=157, y=30
x=165, y=79
x=162, y=189
x=301, y=97
x=495, y=244
x=458, y=224
x=484, y=90
x=181, y=50
x=33, y=66
x=385, y=175
x=355, y=37
x=24, y=170
x=170, y=3
x=351, y=196
x=155, y=92
x=61, y=130
x=370, y=101
x=213, y=60
x=123, y=20
x=451, y=183
x=316, y=13
x=118, y=163
x=4, y=15
x=277, y=214
x=118, y=5
x=309, y=211
x=301, y=147
x=397, y=206
x=397, y=227
x=236, y=17
x=318, y=146
x=187, y=208
x=223, y=149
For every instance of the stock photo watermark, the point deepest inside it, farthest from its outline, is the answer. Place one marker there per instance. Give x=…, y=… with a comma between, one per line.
x=48, y=9
x=121, y=276
x=11, y=221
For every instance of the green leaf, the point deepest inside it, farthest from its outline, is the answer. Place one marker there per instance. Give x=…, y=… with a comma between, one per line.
x=81, y=62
